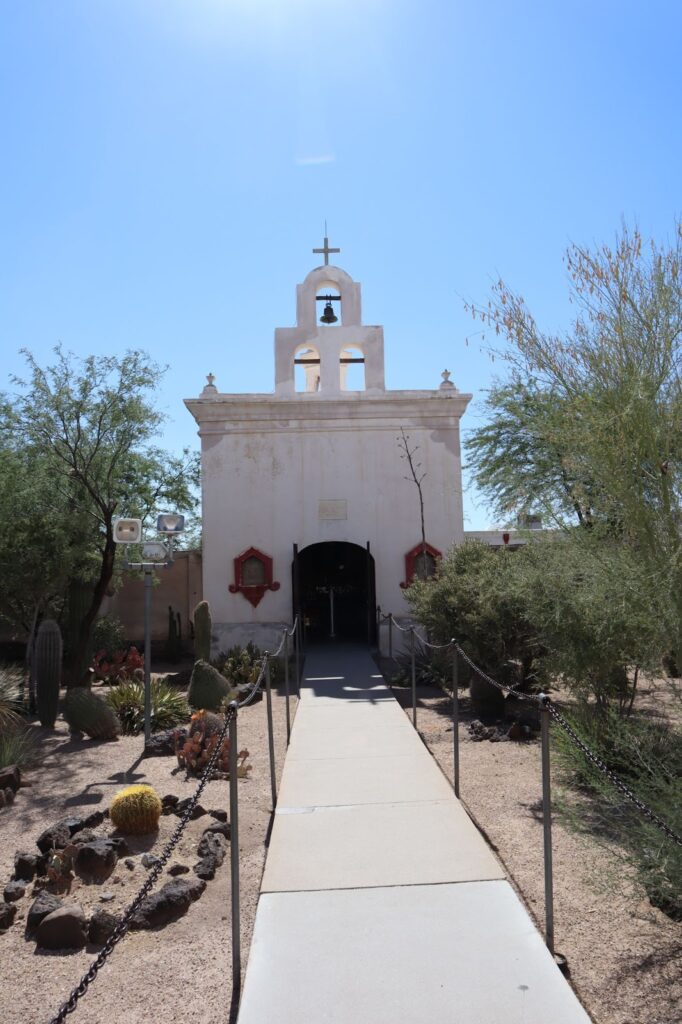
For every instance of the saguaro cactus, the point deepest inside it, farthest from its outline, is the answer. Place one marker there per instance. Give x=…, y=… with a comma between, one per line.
x=202, y=632
x=48, y=671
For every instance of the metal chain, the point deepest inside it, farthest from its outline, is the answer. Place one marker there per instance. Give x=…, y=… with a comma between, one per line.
x=611, y=776
x=123, y=925
x=502, y=687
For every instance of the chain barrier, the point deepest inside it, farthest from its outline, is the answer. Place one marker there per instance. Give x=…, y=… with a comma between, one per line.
x=612, y=777
x=542, y=700
x=123, y=925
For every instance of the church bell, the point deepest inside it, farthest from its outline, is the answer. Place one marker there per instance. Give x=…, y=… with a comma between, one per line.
x=329, y=316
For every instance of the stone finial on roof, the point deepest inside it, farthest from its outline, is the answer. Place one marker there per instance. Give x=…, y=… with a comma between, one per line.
x=210, y=388
x=447, y=384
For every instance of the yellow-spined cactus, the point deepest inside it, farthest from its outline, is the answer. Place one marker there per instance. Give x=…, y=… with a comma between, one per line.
x=136, y=810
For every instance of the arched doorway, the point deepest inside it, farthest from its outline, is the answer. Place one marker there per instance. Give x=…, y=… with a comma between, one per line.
x=334, y=584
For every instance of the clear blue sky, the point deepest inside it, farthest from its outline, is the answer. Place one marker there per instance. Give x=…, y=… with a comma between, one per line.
x=167, y=167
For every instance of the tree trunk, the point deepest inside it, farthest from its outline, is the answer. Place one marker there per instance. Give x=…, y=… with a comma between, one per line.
x=79, y=659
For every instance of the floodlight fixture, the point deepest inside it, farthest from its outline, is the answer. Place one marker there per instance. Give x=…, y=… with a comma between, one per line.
x=170, y=523
x=127, y=531
x=154, y=551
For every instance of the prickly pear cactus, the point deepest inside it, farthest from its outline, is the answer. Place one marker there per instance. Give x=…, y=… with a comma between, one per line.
x=202, y=631
x=48, y=671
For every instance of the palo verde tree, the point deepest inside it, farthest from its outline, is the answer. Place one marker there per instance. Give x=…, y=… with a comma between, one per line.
x=587, y=427
x=90, y=426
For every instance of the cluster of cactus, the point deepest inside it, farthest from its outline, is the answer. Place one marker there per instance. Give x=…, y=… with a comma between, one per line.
x=194, y=751
x=87, y=712
x=202, y=632
x=208, y=688
x=47, y=666
x=136, y=810
x=241, y=665
x=174, y=641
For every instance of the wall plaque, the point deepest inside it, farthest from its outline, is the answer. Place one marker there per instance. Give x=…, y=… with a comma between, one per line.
x=333, y=508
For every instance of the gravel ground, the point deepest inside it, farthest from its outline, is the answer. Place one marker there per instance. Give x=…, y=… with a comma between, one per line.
x=625, y=956
x=180, y=973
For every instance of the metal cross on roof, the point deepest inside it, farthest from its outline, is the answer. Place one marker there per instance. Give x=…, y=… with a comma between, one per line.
x=325, y=249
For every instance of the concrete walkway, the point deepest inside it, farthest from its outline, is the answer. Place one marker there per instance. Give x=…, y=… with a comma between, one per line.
x=381, y=903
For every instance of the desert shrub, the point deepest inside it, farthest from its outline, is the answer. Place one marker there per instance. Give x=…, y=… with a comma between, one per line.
x=120, y=666
x=647, y=756
x=169, y=707
x=108, y=637
x=194, y=750
x=11, y=697
x=17, y=746
x=432, y=668
x=472, y=598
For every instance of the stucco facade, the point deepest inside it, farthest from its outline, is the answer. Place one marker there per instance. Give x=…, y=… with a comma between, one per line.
x=321, y=466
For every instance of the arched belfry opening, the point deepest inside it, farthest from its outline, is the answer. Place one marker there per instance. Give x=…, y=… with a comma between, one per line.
x=307, y=368
x=334, y=588
x=352, y=369
x=329, y=310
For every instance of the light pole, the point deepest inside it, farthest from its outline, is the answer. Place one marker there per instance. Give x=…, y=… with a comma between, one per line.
x=155, y=554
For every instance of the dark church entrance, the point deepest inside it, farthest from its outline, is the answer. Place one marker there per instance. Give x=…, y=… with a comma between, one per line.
x=334, y=592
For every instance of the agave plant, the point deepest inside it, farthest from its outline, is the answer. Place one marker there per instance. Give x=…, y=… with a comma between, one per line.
x=11, y=689
x=169, y=707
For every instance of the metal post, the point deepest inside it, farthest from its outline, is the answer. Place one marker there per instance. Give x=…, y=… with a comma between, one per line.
x=414, y=680
x=297, y=651
x=234, y=852
x=147, y=655
x=390, y=636
x=547, y=825
x=271, y=737
x=286, y=681
x=379, y=628
x=455, y=721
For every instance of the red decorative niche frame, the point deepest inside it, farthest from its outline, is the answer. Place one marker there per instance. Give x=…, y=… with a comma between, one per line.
x=413, y=559
x=253, y=576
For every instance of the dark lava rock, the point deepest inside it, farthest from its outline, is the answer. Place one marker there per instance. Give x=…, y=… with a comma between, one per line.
x=182, y=806
x=59, y=835
x=218, y=815
x=8, y=794
x=129, y=863
x=14, y=891
x=10, y=778
x=65, y=928
x=94, y=819
x=211, y=850
x=3, y=801
x=149, y=860
x=95, y=862
x=162, y=744
x=25, y=866
x=7, y=914
x=205, y=868
x=168, y=904
x=85, y=835
x=169, y=803
x=45, y=903
x=178, y=869
x=102, y=924
x=221, y=828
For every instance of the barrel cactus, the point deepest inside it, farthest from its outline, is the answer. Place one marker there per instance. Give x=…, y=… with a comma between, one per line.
x=208, y=688
x=136, y=810
x=202, y=631
x=48, y=671
x=87, y=712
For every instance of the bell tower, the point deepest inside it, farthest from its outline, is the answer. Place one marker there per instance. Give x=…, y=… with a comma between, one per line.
x=329, y=337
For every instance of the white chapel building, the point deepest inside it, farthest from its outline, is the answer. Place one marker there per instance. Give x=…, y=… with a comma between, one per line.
x=306, y=507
